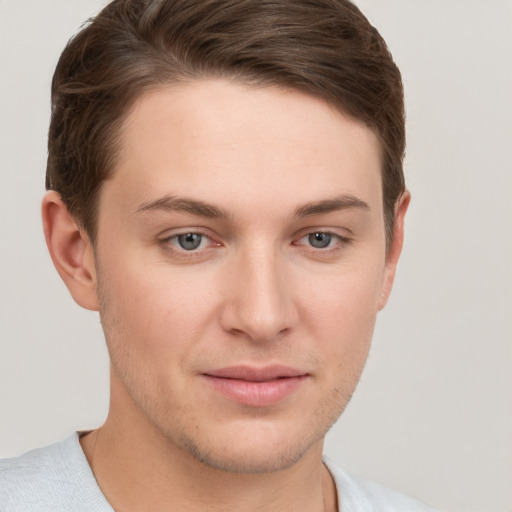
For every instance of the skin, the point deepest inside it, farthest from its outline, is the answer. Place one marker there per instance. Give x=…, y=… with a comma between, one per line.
x=255, y=173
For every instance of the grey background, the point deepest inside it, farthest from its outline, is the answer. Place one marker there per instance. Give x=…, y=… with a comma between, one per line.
x=433, y=413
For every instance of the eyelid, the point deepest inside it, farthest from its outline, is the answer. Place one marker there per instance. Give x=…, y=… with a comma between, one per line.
x=169, y=237
x=169, y=243
x=328, y=231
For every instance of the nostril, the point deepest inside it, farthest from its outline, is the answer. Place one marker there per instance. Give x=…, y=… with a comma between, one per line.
x=284, y=332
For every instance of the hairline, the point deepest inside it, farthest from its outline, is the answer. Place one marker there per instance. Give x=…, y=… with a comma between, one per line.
x=139, y=93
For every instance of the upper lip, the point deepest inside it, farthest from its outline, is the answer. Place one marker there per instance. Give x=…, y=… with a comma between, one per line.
x=253, y=374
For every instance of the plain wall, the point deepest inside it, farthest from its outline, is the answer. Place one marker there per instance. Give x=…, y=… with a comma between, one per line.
x=433, y=413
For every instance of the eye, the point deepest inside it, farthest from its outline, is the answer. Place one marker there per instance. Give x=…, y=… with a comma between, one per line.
x=192, y=246
x=320, y=240
x=189, y=241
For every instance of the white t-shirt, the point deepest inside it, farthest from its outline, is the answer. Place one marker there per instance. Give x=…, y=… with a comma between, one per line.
x=58, y=478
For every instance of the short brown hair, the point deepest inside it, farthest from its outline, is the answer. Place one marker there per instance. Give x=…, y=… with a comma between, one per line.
x=326, y=48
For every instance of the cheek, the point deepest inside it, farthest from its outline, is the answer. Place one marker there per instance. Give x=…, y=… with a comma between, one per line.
x=340, y=316
x=346, y=300
x=151, y=316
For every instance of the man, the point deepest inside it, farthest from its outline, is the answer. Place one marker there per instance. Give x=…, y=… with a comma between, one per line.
x=226, y=189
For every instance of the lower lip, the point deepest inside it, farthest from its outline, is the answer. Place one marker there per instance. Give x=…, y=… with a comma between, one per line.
x=256, y=394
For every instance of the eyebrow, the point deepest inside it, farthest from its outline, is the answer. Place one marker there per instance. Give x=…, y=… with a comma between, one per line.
x=203, y=209
x=178, y=204
x=343, y=202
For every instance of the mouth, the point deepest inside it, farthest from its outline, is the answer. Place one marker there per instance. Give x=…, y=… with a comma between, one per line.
x=257, y=387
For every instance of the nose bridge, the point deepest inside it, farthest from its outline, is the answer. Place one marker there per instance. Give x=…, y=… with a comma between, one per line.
x=261, y=305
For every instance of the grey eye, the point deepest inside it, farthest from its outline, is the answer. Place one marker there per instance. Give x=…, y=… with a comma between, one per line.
x=190, y=241
x=320, y=240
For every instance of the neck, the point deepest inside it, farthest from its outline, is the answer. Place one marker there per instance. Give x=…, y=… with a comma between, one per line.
x=138, y=468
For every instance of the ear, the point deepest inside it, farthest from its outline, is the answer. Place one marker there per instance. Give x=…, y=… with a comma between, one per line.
x=393, y=253
x=71, y=251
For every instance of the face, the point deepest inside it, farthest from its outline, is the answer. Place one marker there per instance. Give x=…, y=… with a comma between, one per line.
x=240, y=265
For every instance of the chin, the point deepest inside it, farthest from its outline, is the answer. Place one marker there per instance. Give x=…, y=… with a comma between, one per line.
x=241, y=459
x=252, y=447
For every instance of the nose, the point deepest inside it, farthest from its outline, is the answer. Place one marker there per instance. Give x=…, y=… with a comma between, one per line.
x=259, y=302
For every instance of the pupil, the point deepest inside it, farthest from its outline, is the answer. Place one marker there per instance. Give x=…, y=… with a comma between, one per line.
x=320, y=240
x=190, y=241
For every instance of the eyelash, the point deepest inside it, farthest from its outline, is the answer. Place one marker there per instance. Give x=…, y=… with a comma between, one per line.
x=335, y=237
x=171, y=243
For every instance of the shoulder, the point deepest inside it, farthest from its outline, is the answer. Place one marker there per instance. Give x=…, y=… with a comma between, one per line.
x=356, y=494
x=54, y=478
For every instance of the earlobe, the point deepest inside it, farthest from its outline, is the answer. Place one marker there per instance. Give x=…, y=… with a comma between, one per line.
x=395, y=248
x=71, y=251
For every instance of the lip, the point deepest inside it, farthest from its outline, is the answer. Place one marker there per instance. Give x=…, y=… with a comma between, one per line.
x=257, y=387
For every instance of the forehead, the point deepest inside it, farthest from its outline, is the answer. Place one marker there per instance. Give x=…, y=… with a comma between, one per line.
x=231, y=141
